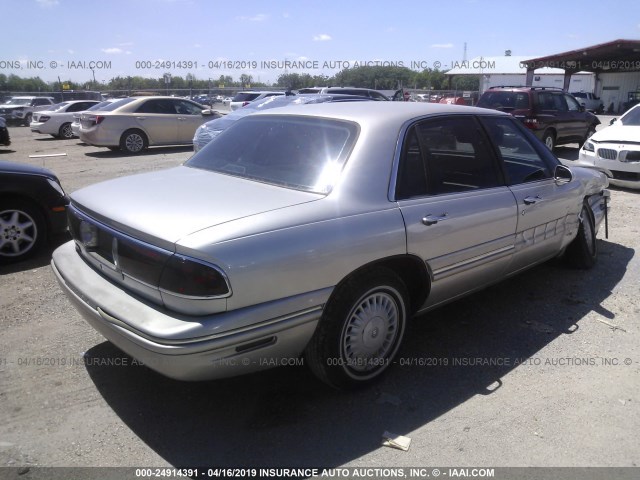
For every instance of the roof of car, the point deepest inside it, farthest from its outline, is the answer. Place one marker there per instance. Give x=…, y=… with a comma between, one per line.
x=377, y=112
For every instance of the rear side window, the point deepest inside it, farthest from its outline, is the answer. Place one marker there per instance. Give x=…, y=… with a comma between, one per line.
x=160, y=106
x=289, y=151
x=117, y=104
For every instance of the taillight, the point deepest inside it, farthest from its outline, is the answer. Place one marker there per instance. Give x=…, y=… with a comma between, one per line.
x=43, y=118
x=531, y=123
x=245, y=103
x=187, y=277
x=99, y=119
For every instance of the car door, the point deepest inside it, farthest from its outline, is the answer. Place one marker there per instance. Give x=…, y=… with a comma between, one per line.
x=579, y=122
x=460, y=217
x=543, y=203
x=157, y=117
x=189, y=119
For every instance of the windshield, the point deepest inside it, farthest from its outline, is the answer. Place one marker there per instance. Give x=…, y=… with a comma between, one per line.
x=18, y=101
x=631, y=118
x=117, y=104
x=245, y=97
x=57, y=106
x=100, y=106
x=290, y=151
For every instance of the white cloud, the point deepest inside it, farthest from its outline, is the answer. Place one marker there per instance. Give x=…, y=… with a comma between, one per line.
x=125, y=44
x=442, y=45
x=47, y=3
x=71, y=52
x=260, y=17
x=113, y=51
x=197, y=45
x=323, y=37
x=286, y=15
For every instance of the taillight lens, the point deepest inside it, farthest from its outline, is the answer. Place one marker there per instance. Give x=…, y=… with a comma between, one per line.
x=531, y=123
x=188, y=277
x=99, y=119
x=44, y=118
x=245, y=103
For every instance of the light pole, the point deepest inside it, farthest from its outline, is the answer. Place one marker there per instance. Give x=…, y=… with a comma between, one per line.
x=94, y=77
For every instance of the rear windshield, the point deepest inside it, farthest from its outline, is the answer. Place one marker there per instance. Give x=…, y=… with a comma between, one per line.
x=504, y=101
x=100, y=106
x=579, y=94
x=117, y=104
x=289, y=151
x=245, y=97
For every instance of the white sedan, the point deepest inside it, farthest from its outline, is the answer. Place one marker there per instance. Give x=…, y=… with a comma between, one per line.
x=616, y=149
x=56, y=121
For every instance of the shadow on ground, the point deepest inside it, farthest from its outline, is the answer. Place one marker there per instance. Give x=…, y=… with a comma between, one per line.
x=40, y=259
x=148, y=151
x=284, y=417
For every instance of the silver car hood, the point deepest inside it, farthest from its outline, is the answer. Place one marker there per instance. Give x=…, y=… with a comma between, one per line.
x=164, y=206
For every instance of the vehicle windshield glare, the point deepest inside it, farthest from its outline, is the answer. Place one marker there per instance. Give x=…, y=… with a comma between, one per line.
x=117, y=104
x=632, y=117
x=289, y=151
x=245, y=97
x=58, y=106
x=99, y=106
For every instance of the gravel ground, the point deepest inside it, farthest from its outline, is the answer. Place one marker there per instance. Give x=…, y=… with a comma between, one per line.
x=542, y=370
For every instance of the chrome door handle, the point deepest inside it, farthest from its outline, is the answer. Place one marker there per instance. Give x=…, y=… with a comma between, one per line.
x=532, y=200
x=433, y=219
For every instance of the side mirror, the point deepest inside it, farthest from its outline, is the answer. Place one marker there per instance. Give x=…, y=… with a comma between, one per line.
x=581, y=108
x=562, y=174
x=613, y=120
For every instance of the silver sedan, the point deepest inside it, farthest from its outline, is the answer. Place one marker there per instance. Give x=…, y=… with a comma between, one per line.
x=318, y=231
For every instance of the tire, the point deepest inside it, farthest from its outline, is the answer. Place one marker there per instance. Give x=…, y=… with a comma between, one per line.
x=22, y=230
x=27, y=119
x=133, y=141
x=582, y=252
x=347, y=349
x=549, y=140
x=65, y=131
x=590, y=132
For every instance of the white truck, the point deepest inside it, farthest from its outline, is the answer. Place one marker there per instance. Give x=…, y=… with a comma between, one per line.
x=589, y=101
x=19, y=110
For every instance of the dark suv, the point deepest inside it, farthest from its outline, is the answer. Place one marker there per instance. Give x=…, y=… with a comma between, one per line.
x=555, y=117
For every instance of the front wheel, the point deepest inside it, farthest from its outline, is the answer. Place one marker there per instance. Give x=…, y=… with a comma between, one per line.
x=27, y=119
x=582, y=252
x=360, y=330
x=22, y=230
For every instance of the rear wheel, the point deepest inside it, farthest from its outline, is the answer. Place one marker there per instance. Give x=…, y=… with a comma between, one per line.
x=27, y=119
x=582, y=252
x=22, y=230
x=133, y=141
x=549, y=139
x=590, y=132
x=65, y=131
x=360, y=330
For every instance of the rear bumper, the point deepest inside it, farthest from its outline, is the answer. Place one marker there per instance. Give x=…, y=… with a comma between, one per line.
x=228, y=351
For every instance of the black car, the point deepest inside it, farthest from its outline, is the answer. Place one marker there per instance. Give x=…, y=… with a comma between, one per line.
x=4, y=133
x=554, y=116
x=33, y=206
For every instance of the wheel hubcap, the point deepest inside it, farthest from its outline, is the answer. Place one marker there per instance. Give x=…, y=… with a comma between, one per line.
x=18, y=233
x=370, y=333
x=549, y=142
x=67, y=132
x=134, y=143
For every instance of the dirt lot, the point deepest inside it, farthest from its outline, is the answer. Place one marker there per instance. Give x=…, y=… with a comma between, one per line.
x=542, y=370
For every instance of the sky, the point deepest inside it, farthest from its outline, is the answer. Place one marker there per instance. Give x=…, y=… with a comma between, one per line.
x=76, y=39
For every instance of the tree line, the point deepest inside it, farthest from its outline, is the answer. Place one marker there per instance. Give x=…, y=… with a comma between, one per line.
x=376, y=77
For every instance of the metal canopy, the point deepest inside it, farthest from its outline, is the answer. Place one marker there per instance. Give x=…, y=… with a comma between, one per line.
x=621, y=56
